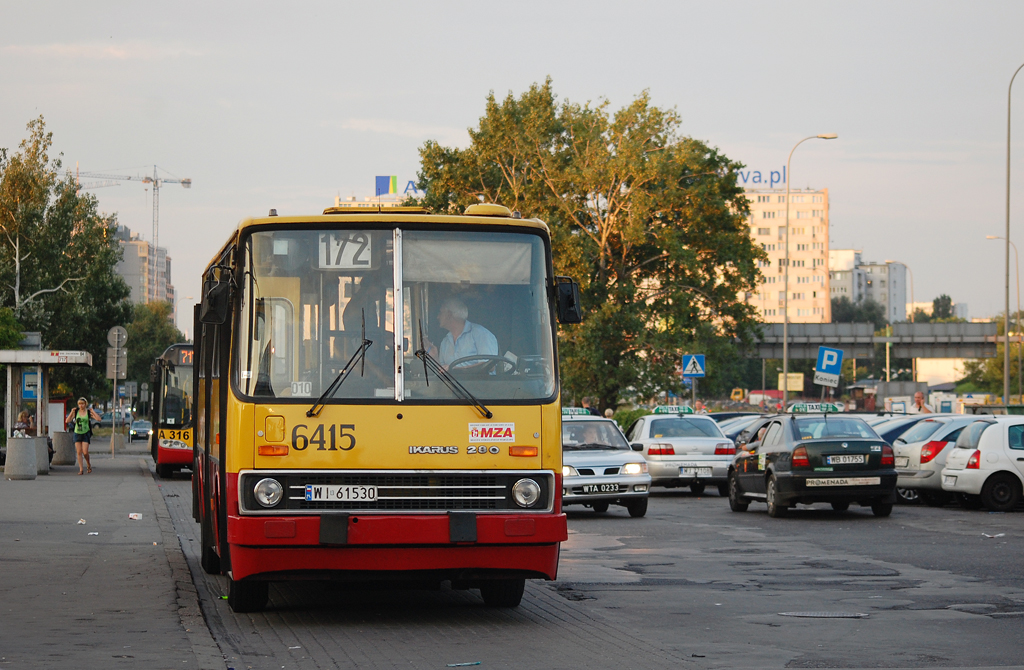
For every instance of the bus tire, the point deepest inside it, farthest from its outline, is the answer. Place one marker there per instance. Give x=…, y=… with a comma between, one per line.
x=164, y=471
x=502, y=592
x=208, y=558
x=247, y=596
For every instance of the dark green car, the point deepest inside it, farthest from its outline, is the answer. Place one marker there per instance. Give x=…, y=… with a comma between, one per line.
x=812, y=457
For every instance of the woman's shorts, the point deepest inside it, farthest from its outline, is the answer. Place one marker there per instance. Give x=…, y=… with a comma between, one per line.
x=83, y=437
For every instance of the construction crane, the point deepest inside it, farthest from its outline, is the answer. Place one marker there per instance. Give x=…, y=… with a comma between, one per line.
x=156, y=180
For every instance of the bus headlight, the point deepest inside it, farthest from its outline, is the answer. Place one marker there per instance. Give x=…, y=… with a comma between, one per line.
x=634, y=468
x=569, y=471
x=525, y=492
x=268, y=492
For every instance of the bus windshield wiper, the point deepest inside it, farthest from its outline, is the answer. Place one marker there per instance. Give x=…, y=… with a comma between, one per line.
x=432, y=364
x=360, y=354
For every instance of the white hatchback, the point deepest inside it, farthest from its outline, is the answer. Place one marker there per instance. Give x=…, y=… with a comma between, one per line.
x=987, y=465
x=921, y=454
x=683, y=449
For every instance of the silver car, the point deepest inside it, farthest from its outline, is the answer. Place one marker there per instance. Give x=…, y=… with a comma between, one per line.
x=683, y=449
x=921, y=454
x=598, y=467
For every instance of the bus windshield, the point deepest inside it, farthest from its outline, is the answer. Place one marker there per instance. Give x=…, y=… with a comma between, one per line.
x=176, y=406
x=316, y=303
x=476, y=303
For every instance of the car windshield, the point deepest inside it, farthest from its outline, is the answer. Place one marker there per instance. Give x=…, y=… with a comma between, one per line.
x=592, y=435
x=685, y=427
x=142, y=424
x=475, y=302
x=812, y=428
x=921, y=431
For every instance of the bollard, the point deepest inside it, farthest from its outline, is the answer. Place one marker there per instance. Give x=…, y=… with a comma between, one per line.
x=116, y=443
x=42, y=456
x=63, y=448
x=21, y=458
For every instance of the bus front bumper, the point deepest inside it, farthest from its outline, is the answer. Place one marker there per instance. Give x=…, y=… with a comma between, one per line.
x=293, y=545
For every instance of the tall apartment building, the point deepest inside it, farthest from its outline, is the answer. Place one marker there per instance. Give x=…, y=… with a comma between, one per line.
x=137, y=266
x=809, y=299
x=885, y=283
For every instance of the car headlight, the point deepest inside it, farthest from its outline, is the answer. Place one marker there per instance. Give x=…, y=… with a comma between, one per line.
x=569, y=471
x=634, y=468
x=526, y=492
x=268, y=492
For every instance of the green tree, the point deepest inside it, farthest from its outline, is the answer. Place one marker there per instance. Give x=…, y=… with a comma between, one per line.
x=845, y=310
x=942, y=307
x=150, y=332
x=650, y=222
x=57, y=259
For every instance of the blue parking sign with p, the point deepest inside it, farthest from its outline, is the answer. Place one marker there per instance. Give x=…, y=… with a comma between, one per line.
x=829, y=366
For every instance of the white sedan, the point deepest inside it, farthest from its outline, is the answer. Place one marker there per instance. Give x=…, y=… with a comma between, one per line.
x=987, y=465
x=683, y=449
x=598, y=467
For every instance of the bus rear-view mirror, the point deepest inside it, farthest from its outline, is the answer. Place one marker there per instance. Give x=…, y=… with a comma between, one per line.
x=568, y=295
x=215, y=301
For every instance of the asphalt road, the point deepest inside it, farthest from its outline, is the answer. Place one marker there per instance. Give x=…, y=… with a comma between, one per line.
x=691, y=585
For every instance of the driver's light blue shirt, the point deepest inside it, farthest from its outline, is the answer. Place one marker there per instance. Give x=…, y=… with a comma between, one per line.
x=474, y=340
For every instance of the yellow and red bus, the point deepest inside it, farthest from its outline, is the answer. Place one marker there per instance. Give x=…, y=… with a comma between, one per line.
x=170, y=440
x=377, y=397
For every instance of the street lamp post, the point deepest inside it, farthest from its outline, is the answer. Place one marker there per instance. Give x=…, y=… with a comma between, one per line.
x=785, y=280
x=1016, y=257
x=913, y=361
x=1006, y=322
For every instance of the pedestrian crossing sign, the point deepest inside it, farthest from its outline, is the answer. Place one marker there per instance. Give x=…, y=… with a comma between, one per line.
x=693, y=365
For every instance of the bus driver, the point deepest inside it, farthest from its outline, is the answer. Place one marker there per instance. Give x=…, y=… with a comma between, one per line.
x=464, y=337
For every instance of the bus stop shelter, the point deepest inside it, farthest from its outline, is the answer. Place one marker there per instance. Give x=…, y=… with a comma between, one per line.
x=28, y=378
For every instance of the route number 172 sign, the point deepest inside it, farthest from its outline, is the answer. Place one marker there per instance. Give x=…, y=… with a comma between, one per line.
x=345, y=250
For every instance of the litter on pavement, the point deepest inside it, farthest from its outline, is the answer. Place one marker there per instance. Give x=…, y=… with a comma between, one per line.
x=994, y=536
x=134, y=516
x=93, y=533
x=461, y=665
x=81, y=522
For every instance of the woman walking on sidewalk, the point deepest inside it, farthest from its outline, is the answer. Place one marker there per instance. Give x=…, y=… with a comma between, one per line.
x=81, y=418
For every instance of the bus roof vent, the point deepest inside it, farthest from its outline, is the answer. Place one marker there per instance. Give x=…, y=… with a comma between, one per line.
x=374, y=208
x=488, y=209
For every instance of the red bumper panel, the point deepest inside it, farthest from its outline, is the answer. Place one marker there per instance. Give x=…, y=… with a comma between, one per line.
x=539, y=559
x=397, y=529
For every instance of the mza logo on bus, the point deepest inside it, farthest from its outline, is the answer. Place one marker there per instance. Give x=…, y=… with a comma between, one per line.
x=495, y=432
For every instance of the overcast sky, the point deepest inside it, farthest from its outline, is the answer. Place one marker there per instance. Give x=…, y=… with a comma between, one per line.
x=287, y=105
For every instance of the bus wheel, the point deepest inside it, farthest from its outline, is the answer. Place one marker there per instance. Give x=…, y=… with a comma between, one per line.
x=208, y=558
x=164, y=471
x=248, y=596
x=502, y=592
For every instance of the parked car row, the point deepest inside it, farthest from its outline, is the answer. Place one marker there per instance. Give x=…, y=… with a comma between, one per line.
x=812, y=454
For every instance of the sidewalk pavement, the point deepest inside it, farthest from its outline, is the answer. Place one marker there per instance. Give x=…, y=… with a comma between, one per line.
x=122, y=596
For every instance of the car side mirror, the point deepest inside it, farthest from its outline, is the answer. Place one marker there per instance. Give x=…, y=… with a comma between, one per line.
x=636, y=446
x=567, y=294
x=216, y=294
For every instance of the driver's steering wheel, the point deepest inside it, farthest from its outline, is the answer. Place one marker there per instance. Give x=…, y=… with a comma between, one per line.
x=484, y=365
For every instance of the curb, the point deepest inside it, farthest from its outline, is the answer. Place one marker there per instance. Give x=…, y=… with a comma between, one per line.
x=207, y=653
